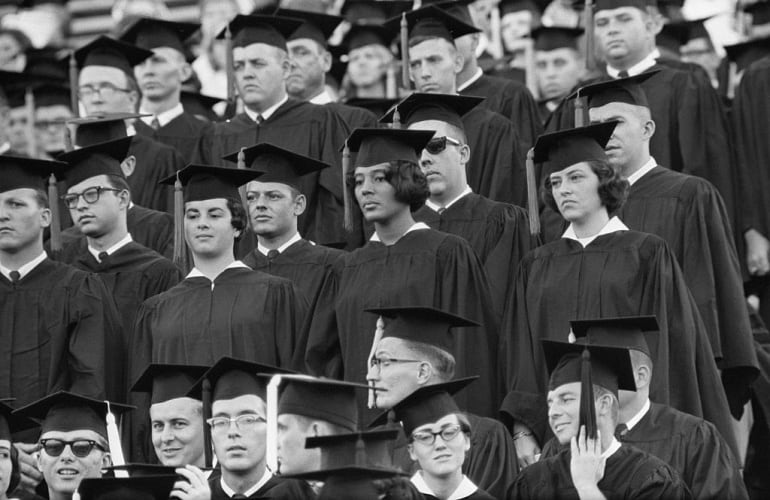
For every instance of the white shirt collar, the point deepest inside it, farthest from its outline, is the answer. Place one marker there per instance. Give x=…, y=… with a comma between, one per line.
x=26, y=268
x=651, y=163
x=236, y=264
x=114, y=248
x=613, y=225
x=266, y=114
x=230, y=492
x=464, y=489
x=415, y=227
x=478, y=74
x=322, y=98
x=636, y=418
x=163, y=118
x=640, y=67
x=435, y=207
x=611, y=449
x=5, y=147
x=130, y=130
x=281, y=248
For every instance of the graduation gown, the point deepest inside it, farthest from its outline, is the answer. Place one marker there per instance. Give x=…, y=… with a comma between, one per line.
x=275, y=488
x=54, y=326
x=353, y=116
x=307, y=129
x=184, y=133
x=629, y=473
x=154, y=161
x=423, y=268
x=623, y=273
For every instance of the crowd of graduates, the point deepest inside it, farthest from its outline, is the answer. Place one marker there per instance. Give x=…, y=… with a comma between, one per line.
x=387, y=249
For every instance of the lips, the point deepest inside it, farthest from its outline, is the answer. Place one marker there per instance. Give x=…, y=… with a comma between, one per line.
x=67, y=472
x=560, y=427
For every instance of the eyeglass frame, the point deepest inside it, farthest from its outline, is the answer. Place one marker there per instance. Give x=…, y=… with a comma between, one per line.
x=86, y=91
x=458, y=428
x=374, y=361
x=444, y=141
x=91, y=445
x=234, y=420
x=71, y=199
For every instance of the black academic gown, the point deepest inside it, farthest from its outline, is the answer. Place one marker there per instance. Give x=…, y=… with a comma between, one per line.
x=353, y=116
x=307, y=129
x=54, y=326
x=154, y=161
x=479, y=494
x=425, y=267
x=275, y=488
x=184, y=133
x=629, y=473
x=623, y=273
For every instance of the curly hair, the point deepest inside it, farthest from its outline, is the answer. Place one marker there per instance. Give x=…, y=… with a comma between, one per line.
x=238, y=215
x=613, y=189
x=408, y=180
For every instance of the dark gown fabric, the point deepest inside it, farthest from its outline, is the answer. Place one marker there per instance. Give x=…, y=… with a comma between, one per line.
x=184, y=133
x=424, y=267
x=498, y=233
x=628, y=474
x=479, y=494
x=623, y=273
x=55, y=324
x=154, y=161
x=354, y=117
x=275, y=488
x=307, y=129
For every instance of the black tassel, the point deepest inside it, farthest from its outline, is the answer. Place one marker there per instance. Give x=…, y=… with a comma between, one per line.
x=587, y=407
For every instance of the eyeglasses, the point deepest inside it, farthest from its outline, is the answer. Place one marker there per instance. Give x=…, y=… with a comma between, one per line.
x=104, y=89
x=246, y=422
x=438, y=144
x=80, y=447
x=379, y=363
x=90, y=195
x=448, y=433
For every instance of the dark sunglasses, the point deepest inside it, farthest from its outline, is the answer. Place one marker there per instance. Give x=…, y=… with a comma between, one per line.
x=438, y=144
x=80, y=447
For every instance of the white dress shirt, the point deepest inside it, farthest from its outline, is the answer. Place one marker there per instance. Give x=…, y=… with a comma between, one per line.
x=26, y=268
x=266, y=114
x=613, y=225
x=114, y=248
x=163, y=118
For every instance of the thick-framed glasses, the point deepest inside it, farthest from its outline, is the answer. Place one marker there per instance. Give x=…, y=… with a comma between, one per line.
x=80, y=447
x=447, y=433
x=90, y=195
x=104, y=89
x=438, y=144
x=380, y=363
x=247, y=422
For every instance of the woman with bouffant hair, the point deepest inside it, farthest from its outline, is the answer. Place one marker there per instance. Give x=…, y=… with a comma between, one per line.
x=599, y=269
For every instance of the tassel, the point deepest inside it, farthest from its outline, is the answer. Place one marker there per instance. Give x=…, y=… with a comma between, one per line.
x=29, y=108
x=587, y=407
x=206, y=393
x=396, y=118
x=379, y=330
x=532, y=202
x=180, y=247
x=580, y=110
x=241, y=164
x=391, y=88
x=360, y=457
x=73, y=76
x=68, y=146
x=53, y=202
x=229, y=65
x=113, y=438
x=404, y=52
x=346, y=198
x=588, y=20
x=271, y=439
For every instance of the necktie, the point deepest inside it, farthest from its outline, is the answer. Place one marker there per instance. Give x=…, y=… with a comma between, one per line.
x=260, y=119
x=620, y=431
x=272, y=254
x=15, y=276
x=623, y=74
x=155, y=124
x=103, y=256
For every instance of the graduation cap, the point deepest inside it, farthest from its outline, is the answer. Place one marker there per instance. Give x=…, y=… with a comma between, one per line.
x=674, y=34
x=616, y=4
x=199, y=104
x=316, y=26
x=10, y=423
x=549, y=38
x=99, y=159
x=362, y=35
x=52, y=95
x=127, y=488
x=148, y=33
x=22, y=172
x=230, y=378
x=625, y=90
x=331, y=400
x=559, y=150
x=431, y=22
x=141, y=470
x=425, y=405
x=378, y=106
x=745, y=53
x=165, y=382
x=47, y=62
x=419, y=106
x=377, y=145
x=205, y=182
x=96, y=129
x=270, y=30
x=105, y=51
x=277, y=164
x=760, y=12
x=624, y=332
x=458, y=8
x=511, y=6
x=374, y=11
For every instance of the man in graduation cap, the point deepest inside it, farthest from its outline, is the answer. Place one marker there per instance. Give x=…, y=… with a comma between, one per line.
x=160, y=78
x=106, y=84
x=583, y=412
x=559, y=65
x=412, y=351
x=261, y=68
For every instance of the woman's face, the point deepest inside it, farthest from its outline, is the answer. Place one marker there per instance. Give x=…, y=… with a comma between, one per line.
x=576, y=192
x=444, y=457
x=367, y=65
x=5, y=466
x=375, y=195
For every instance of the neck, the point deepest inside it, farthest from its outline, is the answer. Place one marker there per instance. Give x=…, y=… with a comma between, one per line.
x=607, y=430
x=591, y=225
x=14, y=261
x=57, y=495
x=629, y=62
x=157, y=107
x=375, y=91
x=444, y=486
x=242, y=481
x=467, y=72
x=259, y=107
x=448, y=195
x=273, y=242
x=310, y=93
x=211, y=267
x=628, y=411
x=105, y=241
x=633, y=166
x=392, y=230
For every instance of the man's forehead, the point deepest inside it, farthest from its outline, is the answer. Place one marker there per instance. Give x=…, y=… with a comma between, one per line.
x=620, y=11
x=97, y=180
x=264, y=187
x=85, y=434
x=95, y=73
x=254, y=50
x=391, y=344
x=431, y=46
x=564, y=389
x=19, y=193
x=561, y=52
x=437, y=125
x=175, y=407
x=307, y=43
x=612, y=109
x=238, y=405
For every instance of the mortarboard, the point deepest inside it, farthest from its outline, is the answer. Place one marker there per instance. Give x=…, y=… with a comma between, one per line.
x=362, y=34
x=559, y=150
x=625, y=90
x=616, y=4
x=99, y=159
x=96, y=129
x=199, y=104
x=458, y=8
x=374, y=11
x=419, y=106
x=745, y=53
x=377, y=145
x=674, y=34
x=148, y=34
x=511, y=6
x=22, y=172
x=105, y=51
x=431, y=22
x=270, y=30
x=205, y=182
x=549, y=38
x=11, y=424
x=316, y=26
x=47, y=62
x=230, y=378
x=165, y=382
x=378, y=106
x=15, y=80
x=52, y=95
x=127, y=488
x=277, y=164
x=760, y=12
x=624, y=332
x=141, y=470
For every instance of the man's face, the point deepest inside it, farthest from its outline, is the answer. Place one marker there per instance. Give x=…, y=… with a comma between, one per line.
x=50, y=128
x=99, y=218
x=6, y=466
x=273, y=208
x=624, y=35
x=240, y=449
x=113, y=95
x=442, y=458
x=367, y=65
x=309, y=64
x=208, y=228
x=17, y=129
x=63, y=474
x=292, y=454
x=22, y=220
x=628, y=139
x=260, y=74
x=399, y=379
x=160, y=77
x=177, y=435
x=434, y=65
x=445, y=171
x=564, y=411
x=557, y=71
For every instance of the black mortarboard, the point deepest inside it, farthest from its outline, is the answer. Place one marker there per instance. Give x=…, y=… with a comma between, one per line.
x=199, y=104
x=316, y=26
x=231, y=378
x=616, y=4
x=52, y=95
x=432, y=22
x=96, y=129
x=66, y=411
x=624, y=332
x=760, y=12
x=331, y=400
x=559, y=150
x=127, y=488
x=510, y=6
x=99, y=159
x=11, y=424
x=204, y=182
x=361, y=35
x=270, y=30
x=379, y=145
x=374, y=11
x=16, y=80
x=22, y=172
x=105, y=51
x=419, y=106
x=47, y=62
x=610, y=366
x=425, y=405
x=378, y=106
x=626, y=90
x=745, y=53
x=458, y=8
x=142, y=470
x=278, y=164
x=149, y=34
x=165, y=382
x=422, y=324
x=674, y=34
x=549, y=38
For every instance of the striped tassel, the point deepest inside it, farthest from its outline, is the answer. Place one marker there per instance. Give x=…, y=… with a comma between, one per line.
x=113, y=438
x=180, y=247
x=587, y=407
x=206, y=393
x=404, y=52
x=346, y=198
x=53, y=202
x=68, y=146
x=532, y=203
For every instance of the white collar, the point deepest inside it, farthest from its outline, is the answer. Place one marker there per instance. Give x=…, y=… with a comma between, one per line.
x=436, y=207
x=26, y=268
x=322, y=98
x=640, y=67
x=415, y=227
x=263, y=250
x=130, y=130
x=163, y=118
x=636, y=418
x=613, y=225
x=612, y=448
x=651, y=163
x=114, y=248
x=5, y=147
x=266, y=114
x=236, y=264
x=478, y=74
x=230, y=492
x=464, y=489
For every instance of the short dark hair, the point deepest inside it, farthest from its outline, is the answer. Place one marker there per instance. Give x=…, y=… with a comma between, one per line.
x=613, y=188
x=407, y=178
x=442, y=361
x=238, y=216
x=116, y=182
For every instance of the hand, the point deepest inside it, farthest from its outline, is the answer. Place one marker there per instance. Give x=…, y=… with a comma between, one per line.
x=30, y=475
x=586, y=464
x=194, y=486
x=527, y=449
x=757, y=251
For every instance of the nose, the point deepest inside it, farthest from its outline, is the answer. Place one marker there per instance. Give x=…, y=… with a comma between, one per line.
x=372, y=373
x=67, y=455
x=439, y=443
x=232, y=431
x=167, y=435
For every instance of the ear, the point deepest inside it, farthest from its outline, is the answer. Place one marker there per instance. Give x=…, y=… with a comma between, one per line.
x=124, y=198
x=649, y=129
x=106, y=460
x=424, y=373
x=410, y=449
x=475, y=43
x=603, y=405
x=642, y=376
x=128, y=165
x=286, y=67
x=465, y=154
x=300, y=205
x=45, y=216
x=467, y=445
x=459, y=62
x=185, y=71
x=326, y=60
